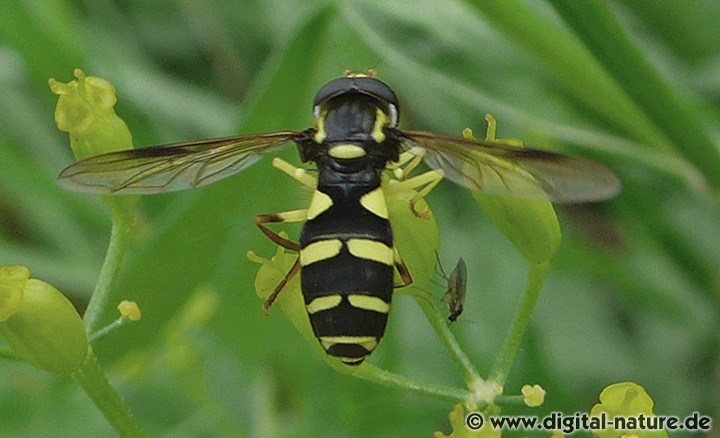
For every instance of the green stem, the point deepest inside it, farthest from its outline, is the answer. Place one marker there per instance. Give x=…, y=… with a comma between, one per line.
x=107, y=330
x=123, y=213
x=92, y=380
x=447, y=337
x=515, y=334
x=372, y=373
x=509, y=400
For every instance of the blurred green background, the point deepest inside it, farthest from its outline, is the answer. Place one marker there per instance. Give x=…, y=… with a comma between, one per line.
x=633, y=294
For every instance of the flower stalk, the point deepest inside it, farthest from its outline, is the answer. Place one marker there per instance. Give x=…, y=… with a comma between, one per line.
x=85, y=110
x=93, y=381
x=523, y=314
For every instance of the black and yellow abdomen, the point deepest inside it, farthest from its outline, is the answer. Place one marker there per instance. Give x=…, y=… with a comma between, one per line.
x=347, y=264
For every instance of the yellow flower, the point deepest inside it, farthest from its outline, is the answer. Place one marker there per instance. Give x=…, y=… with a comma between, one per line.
x=85, y=110
x=459, y=421
x=625, y=399
x=130, y=310
x=534, y=395
x=43, y=328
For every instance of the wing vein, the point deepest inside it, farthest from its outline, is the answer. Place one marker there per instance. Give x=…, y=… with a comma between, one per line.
x=501, y=169
x=172, y=167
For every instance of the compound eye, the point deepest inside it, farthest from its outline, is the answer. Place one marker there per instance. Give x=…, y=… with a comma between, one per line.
x=365, y=85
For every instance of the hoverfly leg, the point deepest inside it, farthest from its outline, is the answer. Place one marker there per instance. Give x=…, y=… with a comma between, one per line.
x=304, y=178
x=425, y=182
x=286, y=216
x=412, y=157
x=402, y=269
x=297, y=173
x=271, y=299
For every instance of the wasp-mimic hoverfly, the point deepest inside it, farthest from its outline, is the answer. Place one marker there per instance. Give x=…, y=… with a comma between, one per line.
x=347, y=254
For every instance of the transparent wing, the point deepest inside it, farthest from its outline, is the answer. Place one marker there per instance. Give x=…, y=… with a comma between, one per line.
x=169, y=168
x=502, y=169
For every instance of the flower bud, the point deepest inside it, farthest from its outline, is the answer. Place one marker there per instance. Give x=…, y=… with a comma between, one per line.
x=459, y=421
x=44, y=330
x=85, y=111
x=624, y=398
x=533, y=396
x=130, y=310
x=12, y=284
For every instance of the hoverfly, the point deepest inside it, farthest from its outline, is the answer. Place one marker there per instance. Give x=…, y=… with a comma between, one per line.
x=346, y=250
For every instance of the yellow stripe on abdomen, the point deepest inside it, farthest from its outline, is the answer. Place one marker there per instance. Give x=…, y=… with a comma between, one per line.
x=367, y=342
x=371, y=250
x=323, y=303
x=320, y=250
x=369, y=302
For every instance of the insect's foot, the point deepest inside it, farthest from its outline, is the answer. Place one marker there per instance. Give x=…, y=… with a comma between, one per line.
x=420, y=214
x=266, y=306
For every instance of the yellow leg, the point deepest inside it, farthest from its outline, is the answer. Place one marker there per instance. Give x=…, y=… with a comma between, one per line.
x=413, y=157
x=425, y=182
x=298, y=174
x=282, y=240
x=302, y=177
x=404, y=158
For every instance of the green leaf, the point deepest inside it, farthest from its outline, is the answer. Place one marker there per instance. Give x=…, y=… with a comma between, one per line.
x=572, y=65
x=531, y=225
x=417, y=239
x=45, y=32
x=290, y=301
